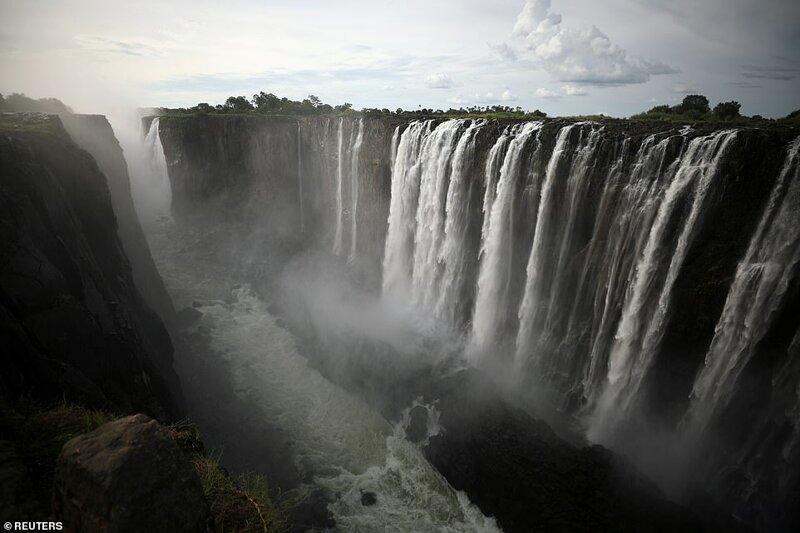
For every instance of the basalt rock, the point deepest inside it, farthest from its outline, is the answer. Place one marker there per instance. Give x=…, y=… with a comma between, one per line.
x=128, y=476
x=94, y=134
x=73, y=323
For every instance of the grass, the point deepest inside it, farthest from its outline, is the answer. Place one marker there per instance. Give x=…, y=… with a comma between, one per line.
x=239, y=503
x=41, y=433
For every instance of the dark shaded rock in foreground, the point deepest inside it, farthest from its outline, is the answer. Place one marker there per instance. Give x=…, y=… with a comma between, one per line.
x=128, y=476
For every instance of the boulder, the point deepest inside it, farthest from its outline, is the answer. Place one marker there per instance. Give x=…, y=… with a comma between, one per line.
x=128, y=476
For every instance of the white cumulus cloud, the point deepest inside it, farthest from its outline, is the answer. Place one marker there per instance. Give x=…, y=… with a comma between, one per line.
x=458, y=100
x=503, y=51
x=541, y=92
x=439, y=81
x=572, y=90
x=507, y=96
x=582, y=55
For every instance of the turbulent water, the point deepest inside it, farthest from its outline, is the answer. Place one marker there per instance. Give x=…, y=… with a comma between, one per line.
x=347, y=445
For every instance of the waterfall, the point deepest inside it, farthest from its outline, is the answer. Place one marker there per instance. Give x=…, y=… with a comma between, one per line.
x=453, y=249
x=435, y=166
x=337, y=238
x=491, y=305
x=157, y=193
x=397, y=260
x=429, y=216
x=604, y=228
x=628, y=214
x=645, y=309
x=300, y=179
x=532, y=298
x=756, y=293
x=354, y=183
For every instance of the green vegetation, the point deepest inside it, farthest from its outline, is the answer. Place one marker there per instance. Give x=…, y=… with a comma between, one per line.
x=696, y=108
x=239, y=503
x=269, y=104
x=19, y=103
x=41, y=433
x=793, y=117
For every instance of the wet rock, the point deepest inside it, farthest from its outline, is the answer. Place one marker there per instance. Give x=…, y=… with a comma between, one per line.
x=417, y=428
x=128, y=476
x=188, y=316
x=368, y=498
x=312, y=514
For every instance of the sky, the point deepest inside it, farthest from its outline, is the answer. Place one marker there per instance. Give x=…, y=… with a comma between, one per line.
x=565, y=57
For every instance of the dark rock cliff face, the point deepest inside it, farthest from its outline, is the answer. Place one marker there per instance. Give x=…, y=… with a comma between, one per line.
x=94, y=134
x=73, y=323
x=237, y=168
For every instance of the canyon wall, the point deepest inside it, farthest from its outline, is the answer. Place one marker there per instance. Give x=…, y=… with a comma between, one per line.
x=75, y=326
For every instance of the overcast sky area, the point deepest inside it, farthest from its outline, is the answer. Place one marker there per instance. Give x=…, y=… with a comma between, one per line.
x=565, y=57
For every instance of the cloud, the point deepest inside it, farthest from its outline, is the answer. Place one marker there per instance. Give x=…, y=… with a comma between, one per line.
x=572, y=90
x=584, y=55
x=541, y=92
x=503, y=51
x=116, y=46
x=565, y=90
x=683, y=88
x=457, y=100
x=494, y=98
x=489, y=97
x=770, y=73
x=439, y=81
x=745, y=85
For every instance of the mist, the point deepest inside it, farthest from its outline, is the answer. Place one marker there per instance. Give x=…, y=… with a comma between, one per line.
x=434, y=287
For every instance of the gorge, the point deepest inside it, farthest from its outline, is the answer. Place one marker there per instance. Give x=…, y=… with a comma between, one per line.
x=428, y=324
x=635, y=284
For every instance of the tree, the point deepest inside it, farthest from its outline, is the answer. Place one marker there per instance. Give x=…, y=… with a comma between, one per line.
x=727, y=110
x=266, y=102
x=316, y=102
x=202, y=108
x=19, y=103
x=238, y=104
x=660, y=109
x=694, y=102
